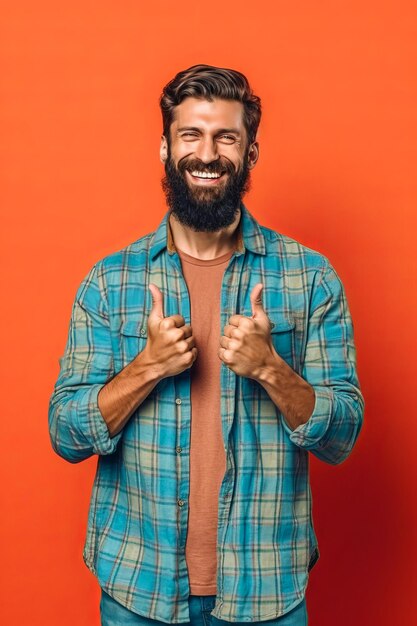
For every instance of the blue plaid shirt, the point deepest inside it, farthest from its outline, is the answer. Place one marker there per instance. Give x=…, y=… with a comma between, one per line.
x=137, y=523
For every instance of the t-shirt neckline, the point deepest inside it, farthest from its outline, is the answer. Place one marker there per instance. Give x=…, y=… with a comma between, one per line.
x=207, y=262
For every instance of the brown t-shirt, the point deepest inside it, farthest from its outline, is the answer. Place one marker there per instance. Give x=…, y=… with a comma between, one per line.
x=207, y=455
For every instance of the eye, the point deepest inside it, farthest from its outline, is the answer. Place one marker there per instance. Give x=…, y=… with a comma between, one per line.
x=189, y=136
x=227, y=138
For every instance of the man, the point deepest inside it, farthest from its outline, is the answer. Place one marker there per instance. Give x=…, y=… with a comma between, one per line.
x=204, y=362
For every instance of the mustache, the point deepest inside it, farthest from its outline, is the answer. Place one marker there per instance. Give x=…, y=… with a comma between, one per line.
x=222, y=166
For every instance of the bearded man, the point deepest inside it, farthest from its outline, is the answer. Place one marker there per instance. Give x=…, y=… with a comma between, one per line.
x=204, y=363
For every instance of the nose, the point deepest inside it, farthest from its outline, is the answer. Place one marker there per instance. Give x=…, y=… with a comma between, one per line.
x=207, y=150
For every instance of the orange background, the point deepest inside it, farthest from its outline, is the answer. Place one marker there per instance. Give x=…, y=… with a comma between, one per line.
x=80, y=178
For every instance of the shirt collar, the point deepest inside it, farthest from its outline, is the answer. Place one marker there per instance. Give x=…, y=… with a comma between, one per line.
x=250, y=235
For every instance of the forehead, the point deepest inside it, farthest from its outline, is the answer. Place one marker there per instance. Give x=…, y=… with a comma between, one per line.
x=208, y=115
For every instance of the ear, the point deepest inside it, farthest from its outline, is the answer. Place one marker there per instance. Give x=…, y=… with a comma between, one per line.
x=163, y=150
x=253, y=154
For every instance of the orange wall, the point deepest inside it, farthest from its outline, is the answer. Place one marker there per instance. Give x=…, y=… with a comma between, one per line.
x=80, y=178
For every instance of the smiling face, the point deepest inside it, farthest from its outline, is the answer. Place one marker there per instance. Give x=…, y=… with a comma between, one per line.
x=207, y=162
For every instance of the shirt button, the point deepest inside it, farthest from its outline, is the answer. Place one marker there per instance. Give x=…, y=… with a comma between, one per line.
x=178, y=400
x=181, y=502
x=142, y=331
x=178, y=449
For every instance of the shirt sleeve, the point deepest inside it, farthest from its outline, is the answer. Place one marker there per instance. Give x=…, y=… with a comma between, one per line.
x=77, y=428
x=330, y=368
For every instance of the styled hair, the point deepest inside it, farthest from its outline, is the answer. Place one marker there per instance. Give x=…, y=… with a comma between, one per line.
x=208, y=82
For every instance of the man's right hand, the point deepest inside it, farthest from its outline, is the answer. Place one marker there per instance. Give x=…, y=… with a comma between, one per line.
x=171, y=346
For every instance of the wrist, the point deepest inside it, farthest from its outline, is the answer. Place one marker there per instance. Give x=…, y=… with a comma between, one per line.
x=267, y=372
x=146, y=368
x=292, y=394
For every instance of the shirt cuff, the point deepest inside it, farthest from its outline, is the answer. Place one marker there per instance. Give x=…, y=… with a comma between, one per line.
x=91, y=422
x=308, y=435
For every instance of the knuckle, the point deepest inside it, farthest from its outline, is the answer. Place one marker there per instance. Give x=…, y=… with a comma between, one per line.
x=166, y=324
x=182, y=347
x=176, y=335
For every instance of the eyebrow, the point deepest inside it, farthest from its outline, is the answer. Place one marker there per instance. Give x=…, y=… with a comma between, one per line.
x=235, y=131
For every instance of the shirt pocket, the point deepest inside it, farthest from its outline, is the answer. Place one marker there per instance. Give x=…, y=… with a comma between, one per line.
x=286, y=340
x=133, y=336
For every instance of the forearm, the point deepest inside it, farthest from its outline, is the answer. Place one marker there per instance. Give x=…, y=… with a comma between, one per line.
x=293, y=395
x=122, y=395
x=332, y=417
x=325, y=414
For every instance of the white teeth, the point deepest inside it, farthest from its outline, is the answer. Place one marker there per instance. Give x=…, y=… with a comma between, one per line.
x=205, y=174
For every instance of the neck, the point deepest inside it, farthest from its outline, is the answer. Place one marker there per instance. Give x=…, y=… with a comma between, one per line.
x=204, y=245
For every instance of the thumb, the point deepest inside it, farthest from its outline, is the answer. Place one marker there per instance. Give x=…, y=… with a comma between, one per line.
x=157, y=301
x=256, y=300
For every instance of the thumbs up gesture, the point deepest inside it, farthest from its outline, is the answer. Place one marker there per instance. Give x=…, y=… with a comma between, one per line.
x=171, y=346
x=246, y=346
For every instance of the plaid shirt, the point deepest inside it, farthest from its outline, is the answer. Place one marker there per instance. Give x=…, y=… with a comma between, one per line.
x=137, y=522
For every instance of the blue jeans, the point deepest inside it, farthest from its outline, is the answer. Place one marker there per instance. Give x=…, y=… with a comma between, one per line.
x=114, y=614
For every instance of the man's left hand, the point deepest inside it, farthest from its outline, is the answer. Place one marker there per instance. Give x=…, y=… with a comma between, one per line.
x=246, y=345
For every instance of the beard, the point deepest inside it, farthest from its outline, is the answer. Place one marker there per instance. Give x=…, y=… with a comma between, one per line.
x=205, y=208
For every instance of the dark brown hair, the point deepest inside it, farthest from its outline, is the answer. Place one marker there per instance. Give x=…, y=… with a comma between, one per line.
x=209, y=82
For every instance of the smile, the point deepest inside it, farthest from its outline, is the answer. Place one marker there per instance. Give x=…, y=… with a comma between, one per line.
x=205, y=178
